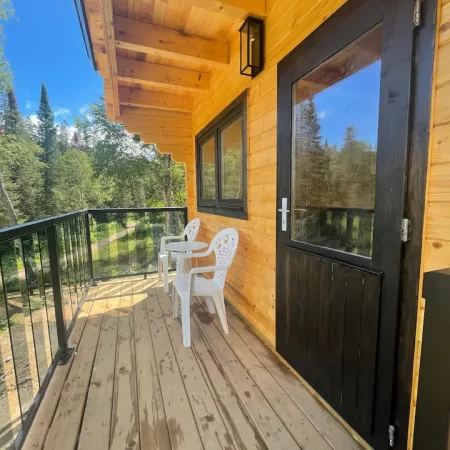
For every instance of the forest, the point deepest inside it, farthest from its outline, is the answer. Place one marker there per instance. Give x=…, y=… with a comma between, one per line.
x=47, y=168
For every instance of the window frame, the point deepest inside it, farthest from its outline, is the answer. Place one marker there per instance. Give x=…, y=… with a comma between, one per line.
x=236, y=208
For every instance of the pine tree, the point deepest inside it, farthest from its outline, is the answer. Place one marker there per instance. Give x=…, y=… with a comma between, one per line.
x=63, y=138
x=12, y=115
x=46, y=138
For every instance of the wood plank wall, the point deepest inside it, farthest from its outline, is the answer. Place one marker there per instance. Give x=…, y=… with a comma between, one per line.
x=436, y=234
x=251, y=279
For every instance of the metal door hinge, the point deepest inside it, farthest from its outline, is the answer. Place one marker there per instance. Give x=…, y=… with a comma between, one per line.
x=391, y=435
x=406, y=230
x=417, y=13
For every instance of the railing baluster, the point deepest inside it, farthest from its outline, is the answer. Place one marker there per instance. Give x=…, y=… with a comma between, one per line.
x=89, y=245
x=53, y=252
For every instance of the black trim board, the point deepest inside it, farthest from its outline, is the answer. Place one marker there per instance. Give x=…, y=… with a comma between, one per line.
x=422, y=75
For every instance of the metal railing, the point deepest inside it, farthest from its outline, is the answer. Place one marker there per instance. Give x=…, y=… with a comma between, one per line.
x=46, y=268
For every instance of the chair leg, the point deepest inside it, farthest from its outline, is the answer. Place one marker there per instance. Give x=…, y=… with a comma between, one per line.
x=165, y=275
x=210, y=304
x=159, y=269
x=186, y=319
x=175, y=304
x=220, y=308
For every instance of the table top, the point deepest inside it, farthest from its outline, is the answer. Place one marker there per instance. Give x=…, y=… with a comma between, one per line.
x=185, y=246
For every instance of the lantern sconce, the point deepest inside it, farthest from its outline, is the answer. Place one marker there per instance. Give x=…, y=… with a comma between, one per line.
x=252, y=46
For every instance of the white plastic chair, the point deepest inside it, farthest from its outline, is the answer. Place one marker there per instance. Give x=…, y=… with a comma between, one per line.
x=190, y=232
x=224, y=245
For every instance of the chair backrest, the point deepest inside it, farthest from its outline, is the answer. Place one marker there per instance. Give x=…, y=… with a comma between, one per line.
x=224, y=244
x=192, y=229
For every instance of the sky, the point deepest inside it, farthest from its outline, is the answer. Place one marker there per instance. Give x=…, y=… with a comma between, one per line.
x=352, y=101
x=44, y=44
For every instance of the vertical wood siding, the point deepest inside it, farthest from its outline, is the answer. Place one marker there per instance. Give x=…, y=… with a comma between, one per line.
x=251, y=279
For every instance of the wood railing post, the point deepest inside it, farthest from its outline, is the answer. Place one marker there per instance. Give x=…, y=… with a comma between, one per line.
x=64, y=351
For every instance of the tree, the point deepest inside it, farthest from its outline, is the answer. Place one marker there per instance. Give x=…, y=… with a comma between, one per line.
x=75, y=186
x=21, y=171
x=63, y=141
x=12, y=117
x=46, y=137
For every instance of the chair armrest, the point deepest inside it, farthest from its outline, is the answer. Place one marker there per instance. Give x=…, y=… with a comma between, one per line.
x=197, y=255
x=207, y=269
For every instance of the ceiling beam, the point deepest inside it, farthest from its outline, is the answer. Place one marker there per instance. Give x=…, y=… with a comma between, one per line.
x=110, y=45
x=155, y=100
x=234, y=8
x=156, y=40
x=157, y=74
x=156, y=129
x=167, y=140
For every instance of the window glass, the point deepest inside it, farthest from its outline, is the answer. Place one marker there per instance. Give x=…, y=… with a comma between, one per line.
x=231, y=160
x=209, y=170
x=334, y=145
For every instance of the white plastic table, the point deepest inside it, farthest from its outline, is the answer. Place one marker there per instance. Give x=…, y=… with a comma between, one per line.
x=182, y=247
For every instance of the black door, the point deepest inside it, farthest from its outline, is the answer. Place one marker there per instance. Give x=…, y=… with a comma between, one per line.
x=343, y=127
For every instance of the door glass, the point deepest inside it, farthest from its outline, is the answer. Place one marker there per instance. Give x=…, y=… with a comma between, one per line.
x=209, y=170
x=231, y=149
x=334, y=145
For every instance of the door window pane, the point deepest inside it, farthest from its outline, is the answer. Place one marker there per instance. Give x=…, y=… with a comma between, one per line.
x=334, y=144
x=209, y=170
x=231, y=157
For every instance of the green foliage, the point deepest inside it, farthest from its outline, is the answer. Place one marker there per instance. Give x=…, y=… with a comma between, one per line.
x=22, y=174
x=12, y=117
x=75, y=186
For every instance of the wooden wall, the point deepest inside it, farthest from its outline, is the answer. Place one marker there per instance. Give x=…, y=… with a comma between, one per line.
x=251, y=279
x=436, y=233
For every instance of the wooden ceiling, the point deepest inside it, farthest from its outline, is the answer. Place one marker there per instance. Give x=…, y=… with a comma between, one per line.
x=157, y=55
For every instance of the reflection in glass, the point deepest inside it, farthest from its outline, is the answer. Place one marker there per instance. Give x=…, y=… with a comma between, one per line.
x=334, y=144
x=231, y=148
x=209, y=170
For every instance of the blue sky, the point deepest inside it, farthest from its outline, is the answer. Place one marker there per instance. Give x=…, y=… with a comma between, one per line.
x=44, y=45
x=352, y=101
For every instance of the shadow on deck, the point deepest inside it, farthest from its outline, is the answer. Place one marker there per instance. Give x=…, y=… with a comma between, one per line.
x=132, y=384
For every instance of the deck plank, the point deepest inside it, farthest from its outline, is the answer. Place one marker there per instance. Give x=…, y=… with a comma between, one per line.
x=153, y=428
x=330, y=428
x=180, y=418
x=147, y=391
x=97, y=417
x=211, y=426
x=125, y=416
x=300, y=427
x=66, y=424
x=269, y=425
x=46, y=412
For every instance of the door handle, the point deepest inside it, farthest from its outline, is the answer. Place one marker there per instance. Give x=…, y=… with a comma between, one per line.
x=283, y=212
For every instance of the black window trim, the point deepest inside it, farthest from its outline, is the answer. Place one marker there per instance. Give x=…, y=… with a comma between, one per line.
x=234, y=208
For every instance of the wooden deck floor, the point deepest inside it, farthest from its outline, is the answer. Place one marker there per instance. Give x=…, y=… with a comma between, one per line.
x=132, y=384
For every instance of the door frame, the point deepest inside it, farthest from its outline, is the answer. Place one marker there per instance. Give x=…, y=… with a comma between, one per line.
x=397, y=361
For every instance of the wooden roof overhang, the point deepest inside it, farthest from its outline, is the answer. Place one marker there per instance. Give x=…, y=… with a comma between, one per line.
x=157, y=56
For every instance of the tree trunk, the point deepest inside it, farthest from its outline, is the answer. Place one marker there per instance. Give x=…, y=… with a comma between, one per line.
x=8, y=203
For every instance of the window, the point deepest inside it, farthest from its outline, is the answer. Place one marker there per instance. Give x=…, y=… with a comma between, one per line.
x=334, y=145
x=222, y=162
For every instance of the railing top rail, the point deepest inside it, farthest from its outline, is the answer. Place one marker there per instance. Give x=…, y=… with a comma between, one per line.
x=18, y=231
x=138, y=210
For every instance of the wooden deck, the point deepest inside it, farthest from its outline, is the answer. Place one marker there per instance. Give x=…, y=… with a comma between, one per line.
x=132, y=384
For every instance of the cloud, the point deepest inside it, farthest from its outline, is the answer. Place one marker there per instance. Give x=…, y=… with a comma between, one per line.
x=29, y=104
x=34, y=119
x=63, y=112
x=84, y=109
x=323, y=114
